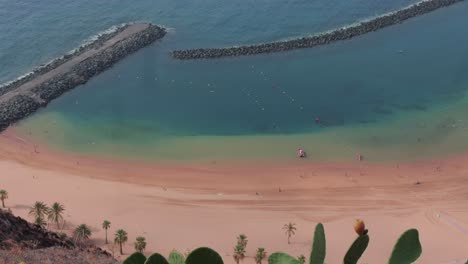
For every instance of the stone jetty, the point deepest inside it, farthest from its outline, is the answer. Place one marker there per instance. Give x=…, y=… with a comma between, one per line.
x=25, y=95
x=325, y=38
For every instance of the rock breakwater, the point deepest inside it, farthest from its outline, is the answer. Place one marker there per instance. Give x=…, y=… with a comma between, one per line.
x=325, y=38
x=25, y=95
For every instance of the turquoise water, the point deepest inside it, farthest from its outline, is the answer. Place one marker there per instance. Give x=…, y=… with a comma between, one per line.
x=152, y=106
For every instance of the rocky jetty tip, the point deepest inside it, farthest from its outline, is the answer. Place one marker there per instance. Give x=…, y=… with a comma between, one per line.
x=25, y=95
x=325, y=38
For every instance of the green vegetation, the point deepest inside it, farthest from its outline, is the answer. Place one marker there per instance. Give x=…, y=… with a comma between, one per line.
x=106, y=225
x=239, y=248
x=290, y=230
x=407, y=249
x=55, y=214
x=282, y=258
x=156, y=258
x=301, y=259
x=176, y=257
x=120, y=238
x=40, y=222
x=356, y=249
x=200, y=255
x=204, y=255
x=260, y=255
x=135, y=258
x=140, y=244
x=239, y=253
x=317, y=254
x=242, y=240
x=3, y=197
x=81, y=233
x=39, y=210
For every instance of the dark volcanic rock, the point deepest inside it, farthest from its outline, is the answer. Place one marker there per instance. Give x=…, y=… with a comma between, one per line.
x=16, y=108
x=21, y=105
x=55, y=255
x=21, y=240
x=59, y=61
x=16, y=232
x=320, y=39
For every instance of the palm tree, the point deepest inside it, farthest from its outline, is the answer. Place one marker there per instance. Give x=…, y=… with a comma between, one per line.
x=3, y=197
x=82, y=233
x=106, y=225
x=290, y=230
x=55, y=213
x=242, y=240
x=39, y=210
x=40, y=222
x=301, y=259
x=260, y=255
x=120, y=238
x=140, y=244
x=239, y=253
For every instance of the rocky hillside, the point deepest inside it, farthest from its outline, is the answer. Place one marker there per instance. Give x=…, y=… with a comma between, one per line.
x=23, y=242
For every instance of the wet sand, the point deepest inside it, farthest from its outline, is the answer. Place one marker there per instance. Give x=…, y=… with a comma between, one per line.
x=190, y=204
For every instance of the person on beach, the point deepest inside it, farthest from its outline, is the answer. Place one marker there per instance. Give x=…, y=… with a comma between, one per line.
x=301, y=153
x=359, y=157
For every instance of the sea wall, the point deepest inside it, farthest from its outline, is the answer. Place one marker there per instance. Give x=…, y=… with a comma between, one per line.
x=99, y=41
x=17, y=102
x=325, y=38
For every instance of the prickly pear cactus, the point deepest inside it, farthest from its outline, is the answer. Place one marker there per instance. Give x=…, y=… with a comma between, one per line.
x=176, y=258
x=204, y=255
x=282, y=258
x=356, y=250
x=317, y=255
x=407, y=249
x=156, y=258
x=135, y=258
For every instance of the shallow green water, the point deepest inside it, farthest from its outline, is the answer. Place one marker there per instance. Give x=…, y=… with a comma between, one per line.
x=419, y=134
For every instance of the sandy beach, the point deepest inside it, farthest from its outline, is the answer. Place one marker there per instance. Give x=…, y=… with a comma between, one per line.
x=186, y=205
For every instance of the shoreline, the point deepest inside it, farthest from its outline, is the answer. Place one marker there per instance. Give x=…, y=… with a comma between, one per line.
x=19, y=147
x=324, y=38
x=26, y=94
x=225, y=199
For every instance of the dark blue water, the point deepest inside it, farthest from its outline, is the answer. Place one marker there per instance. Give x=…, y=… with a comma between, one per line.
x=34, y=32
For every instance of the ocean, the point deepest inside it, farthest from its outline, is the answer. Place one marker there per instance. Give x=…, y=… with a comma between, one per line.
x=396, y=94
